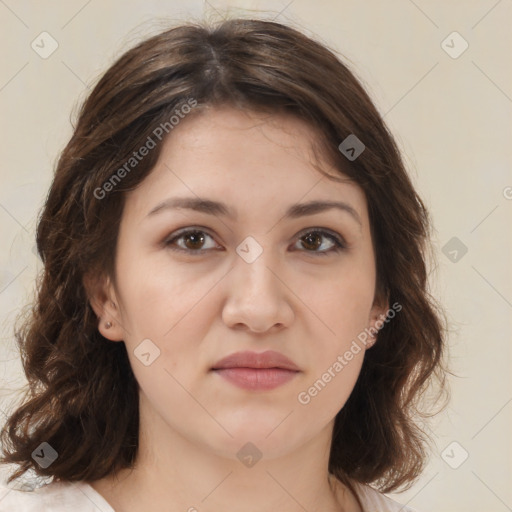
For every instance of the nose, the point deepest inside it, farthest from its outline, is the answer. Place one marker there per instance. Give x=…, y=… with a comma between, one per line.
x=258, y=297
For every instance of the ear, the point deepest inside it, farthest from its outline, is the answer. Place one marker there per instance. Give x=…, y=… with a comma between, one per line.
x=377, y=317
x=102, y=298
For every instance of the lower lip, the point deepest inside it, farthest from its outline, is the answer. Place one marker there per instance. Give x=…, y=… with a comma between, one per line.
x=257, y=379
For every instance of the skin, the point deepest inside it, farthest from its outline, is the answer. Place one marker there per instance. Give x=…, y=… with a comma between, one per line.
x=199, y=308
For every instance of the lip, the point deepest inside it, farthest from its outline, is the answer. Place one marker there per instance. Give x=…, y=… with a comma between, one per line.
x=258, y=360
x=256, y=371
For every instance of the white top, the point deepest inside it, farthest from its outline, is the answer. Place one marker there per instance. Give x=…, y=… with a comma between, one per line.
x=81, y=497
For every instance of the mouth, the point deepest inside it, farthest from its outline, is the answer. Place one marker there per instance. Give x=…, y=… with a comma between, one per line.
x=257, y=379
x=256, y=371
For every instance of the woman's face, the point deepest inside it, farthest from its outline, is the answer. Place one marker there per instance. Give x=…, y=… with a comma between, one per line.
x=253, y=279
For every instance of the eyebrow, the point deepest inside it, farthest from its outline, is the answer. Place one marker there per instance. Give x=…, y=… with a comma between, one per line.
x=217, y=208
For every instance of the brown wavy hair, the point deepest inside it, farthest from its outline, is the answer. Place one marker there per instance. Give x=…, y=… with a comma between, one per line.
x=82, y=396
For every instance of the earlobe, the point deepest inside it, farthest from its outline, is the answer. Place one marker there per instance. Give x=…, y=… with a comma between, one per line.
x=102, y=299
x=109, y=325
x=110, y=330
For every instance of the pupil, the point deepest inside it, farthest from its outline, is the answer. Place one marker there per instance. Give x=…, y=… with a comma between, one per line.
x=311, y=237
x=196, y=239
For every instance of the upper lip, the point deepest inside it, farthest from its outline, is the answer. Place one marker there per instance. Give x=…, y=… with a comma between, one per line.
x=247, y=359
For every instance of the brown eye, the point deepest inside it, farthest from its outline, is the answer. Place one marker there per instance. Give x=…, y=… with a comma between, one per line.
x=312, y=241
x=193, y=241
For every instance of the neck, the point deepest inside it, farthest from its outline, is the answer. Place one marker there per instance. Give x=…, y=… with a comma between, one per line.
x=175, y=474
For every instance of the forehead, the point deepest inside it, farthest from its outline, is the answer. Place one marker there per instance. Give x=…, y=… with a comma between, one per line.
x=230, y=134
x=250, y=160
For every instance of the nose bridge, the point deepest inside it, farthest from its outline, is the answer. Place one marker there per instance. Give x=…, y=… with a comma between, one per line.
x=256, y=297
x=255, y=259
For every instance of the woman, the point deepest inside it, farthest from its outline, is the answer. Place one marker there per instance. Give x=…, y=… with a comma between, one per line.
x=234, y=311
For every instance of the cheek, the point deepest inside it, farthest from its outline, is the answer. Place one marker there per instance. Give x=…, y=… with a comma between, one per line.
x=341, y=309
x=330, y=387
x=170, y=307
x=158, y=297
x=340, y=304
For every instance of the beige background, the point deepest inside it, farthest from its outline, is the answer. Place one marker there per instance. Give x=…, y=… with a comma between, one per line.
x=452, y=119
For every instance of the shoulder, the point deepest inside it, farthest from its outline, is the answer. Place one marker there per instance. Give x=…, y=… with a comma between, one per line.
x=375, y=501
x=52, y=497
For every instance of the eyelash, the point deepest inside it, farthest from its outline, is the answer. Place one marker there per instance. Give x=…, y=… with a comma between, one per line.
x=339, y=243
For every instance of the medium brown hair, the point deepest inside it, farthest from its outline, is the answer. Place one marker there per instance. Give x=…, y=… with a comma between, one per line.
x=82, y=397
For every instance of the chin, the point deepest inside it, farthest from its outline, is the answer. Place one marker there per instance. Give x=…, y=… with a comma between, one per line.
x=269, y=439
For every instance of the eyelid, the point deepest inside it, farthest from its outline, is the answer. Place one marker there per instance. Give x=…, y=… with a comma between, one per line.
x=326, y=231
x=337, y=239
x=184, y=231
